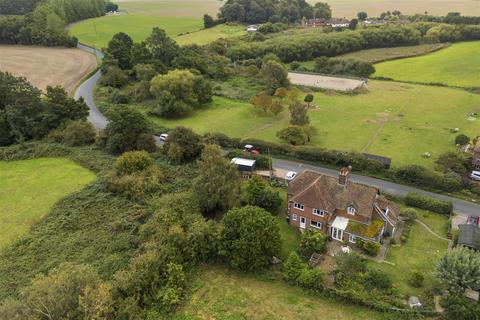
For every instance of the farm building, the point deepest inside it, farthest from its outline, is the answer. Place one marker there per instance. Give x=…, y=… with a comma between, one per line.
x=246, y=166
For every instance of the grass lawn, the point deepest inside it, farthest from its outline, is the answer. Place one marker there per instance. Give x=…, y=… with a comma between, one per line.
x=458, y=65
x=401, y=121
x=206, y=36
x=384, y=54
x=170, y=8
x=290, y=236
x=30, y=188
x=98, y=31
x=224, y=294
x=419, y=253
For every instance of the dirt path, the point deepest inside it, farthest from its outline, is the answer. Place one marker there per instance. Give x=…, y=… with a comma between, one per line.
x=431, y=231
x=47, y=66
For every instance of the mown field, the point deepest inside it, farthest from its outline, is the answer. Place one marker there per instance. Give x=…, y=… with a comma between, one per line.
x=171, y=8
x=397, y=120
x=458, y=65
x=224, y=294
x=30, y=188
x=350, y=8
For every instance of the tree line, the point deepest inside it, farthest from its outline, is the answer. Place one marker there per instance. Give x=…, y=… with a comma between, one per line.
x=332, y=44
x=260, y=11
x=45, y=25
x=17, y=7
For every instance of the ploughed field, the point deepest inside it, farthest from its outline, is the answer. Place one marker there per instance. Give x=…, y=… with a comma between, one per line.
x=30, y=188
x=457, y=65
x=47, y=66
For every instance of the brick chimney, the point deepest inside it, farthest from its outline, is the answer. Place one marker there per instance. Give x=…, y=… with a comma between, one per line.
x=343, y=176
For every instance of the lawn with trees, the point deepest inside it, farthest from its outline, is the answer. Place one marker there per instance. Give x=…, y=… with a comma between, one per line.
x=389, y=114
x=457, y=65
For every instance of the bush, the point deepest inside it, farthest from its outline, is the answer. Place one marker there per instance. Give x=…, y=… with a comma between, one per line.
x=118, y=97
x=114, y=77
x=250, y=238
x=135, y=175
x=462, y=139
x=294, y=135
x=409, y=214
x=375, y=278
x=344, y=67
x=424, y=202
x=312, y=241
x=183, y=145
x=416, y=279
x=369, y=247
x=221, y=139
x=261, y=195
x=74, y=133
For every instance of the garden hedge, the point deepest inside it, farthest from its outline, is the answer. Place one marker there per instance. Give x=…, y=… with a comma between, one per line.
x=424, y=202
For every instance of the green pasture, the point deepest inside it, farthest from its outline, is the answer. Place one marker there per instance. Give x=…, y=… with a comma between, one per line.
x=420, y=253
x=98, y=31
x=220, y=293
x=30, y=188
x=458, y=65
x=186, y=30
x=401, y=121
x=170, y=8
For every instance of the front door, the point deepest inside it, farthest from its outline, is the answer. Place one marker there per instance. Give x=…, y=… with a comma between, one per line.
x=337, y=234
x=303, y=222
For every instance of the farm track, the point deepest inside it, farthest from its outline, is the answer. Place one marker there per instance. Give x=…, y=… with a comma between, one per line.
x=461, y=207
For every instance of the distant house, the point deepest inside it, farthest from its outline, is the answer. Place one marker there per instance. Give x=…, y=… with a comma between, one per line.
x=252, y=28
x=343, y=209
x=476, y=155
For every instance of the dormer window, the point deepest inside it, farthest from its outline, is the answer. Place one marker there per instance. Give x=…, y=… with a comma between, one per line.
x=351, y=210
x=299, y=206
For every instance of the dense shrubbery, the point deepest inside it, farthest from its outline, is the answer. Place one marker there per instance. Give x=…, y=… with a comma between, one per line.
x=424, y=202
x=260, y=194
x=127, y=130
x=135, y=175
x=74, y=133
x=312, y=241
x=307, y=47
x=24, y=115
x=369, y=247
x=17, y=7
x=179, y=92
x=349, y=67
x=46, y=24
x=297, y=272
x=182, y=145
x=250, y=238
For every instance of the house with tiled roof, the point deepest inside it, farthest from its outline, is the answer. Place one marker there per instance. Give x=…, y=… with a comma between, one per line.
x=343, y=209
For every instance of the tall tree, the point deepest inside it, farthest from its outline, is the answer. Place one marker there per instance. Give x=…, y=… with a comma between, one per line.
x=217, y=187
x=182, y=145
x=161, y=46
x=250, y=238
x=120, y=49
x=459, y=269
x=127, y=130
x=276, y=76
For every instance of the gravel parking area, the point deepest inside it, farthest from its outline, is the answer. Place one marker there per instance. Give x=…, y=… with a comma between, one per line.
x=326, y=82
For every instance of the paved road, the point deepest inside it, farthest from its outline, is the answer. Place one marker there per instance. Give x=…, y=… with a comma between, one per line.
x=99, y=121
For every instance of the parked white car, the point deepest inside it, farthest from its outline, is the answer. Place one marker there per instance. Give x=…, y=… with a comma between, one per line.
x=475, y=175
x=163, y=136
x=290, y=175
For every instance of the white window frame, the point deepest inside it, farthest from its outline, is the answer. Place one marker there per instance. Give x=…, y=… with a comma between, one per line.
x=299, y=206
x=294, y=217
x=318, y=212
x=318, y=226
x=352, y=238
x=351, y=210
